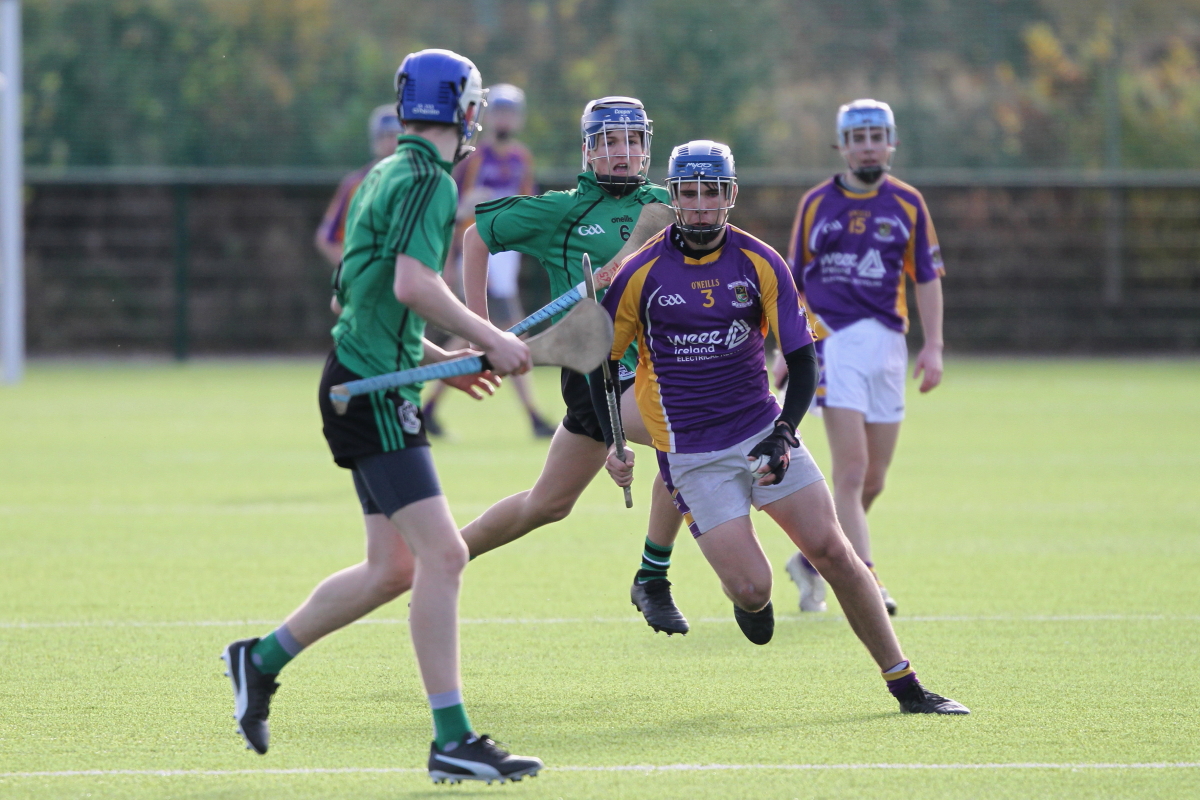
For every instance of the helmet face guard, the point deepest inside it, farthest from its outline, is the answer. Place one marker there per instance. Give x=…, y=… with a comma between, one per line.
x=440, y=86
x=610, y=126
x=506, y=104
x=703, y=185
x=867, y=126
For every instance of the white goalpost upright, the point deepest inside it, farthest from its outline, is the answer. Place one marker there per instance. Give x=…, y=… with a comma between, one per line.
x=12, y=245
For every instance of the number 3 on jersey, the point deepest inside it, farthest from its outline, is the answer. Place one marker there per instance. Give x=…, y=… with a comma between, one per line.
x=708, y=298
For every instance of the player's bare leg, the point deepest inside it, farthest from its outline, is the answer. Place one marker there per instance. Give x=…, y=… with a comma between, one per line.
x=847, y=434
x=733, y=550
x=881, y=446
x=861, y=453
x=571, y=463
x=651, y=591
x=735, y=554
x=418, y=548
x=808, y=518
x=385, y=574
x=440, y=555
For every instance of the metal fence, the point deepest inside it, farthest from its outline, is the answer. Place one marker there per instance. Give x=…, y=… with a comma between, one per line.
x=222, y=261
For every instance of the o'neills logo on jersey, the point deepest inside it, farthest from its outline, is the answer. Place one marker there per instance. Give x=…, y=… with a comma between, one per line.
x=625, y=218
x=709, y=341
x=590, y=230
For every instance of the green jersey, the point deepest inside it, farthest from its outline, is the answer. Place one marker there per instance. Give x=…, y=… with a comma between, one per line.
x=557, y=228
x=406, y=204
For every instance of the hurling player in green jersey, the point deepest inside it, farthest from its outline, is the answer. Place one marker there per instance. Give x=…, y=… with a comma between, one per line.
x=557, y=228
x=399, y=229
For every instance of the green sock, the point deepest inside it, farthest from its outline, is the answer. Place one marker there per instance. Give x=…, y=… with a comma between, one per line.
x=656, y=560
x=275, y=650
x=450, y=723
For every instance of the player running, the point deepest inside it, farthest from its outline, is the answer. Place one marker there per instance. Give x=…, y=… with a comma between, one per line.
x=383, y=127
x=855, y=239
x=500, y=167
x=557, y=228
x=699, y=299
x=400, y=224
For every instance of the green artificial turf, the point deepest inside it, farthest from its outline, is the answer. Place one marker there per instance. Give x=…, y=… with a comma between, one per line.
x=1039, y=530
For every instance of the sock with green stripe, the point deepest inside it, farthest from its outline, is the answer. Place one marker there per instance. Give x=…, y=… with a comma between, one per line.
x=656, y=560
x=450, y=723
x=275, y=650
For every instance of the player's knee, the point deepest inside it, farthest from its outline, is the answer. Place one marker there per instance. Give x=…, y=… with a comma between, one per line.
x=751, y=595
x=832, y=556
x=450, y=559
x=551, y=510
x=850, y=476
x=391, y=581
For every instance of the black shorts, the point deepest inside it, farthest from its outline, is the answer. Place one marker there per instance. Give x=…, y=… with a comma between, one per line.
x=373, y=424
x=581, y=416
x=387, y=482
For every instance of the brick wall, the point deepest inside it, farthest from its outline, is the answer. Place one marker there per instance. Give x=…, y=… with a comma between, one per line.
x=1029, y=268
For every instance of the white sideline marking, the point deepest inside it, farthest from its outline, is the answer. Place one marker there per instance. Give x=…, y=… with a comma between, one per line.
x=807, y=619
x=644, y=768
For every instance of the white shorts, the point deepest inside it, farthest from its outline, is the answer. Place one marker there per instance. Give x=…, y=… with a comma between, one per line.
x=711, y=488
x=863, y=369
x=503, y=271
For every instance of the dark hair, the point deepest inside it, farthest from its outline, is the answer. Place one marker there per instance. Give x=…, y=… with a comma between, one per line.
x=420, y=126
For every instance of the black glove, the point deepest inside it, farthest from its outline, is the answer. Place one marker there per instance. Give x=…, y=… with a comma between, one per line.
x=776, y=448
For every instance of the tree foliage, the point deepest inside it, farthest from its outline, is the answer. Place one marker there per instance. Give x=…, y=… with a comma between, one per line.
x=993, y=83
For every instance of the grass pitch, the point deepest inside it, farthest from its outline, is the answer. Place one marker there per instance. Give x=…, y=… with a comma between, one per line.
x=1039, y=531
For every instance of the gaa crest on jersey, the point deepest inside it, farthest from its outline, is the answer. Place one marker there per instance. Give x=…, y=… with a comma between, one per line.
x=741, y=294
x=410, y=422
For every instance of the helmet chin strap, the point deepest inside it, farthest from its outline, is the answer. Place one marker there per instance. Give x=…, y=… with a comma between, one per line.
x=869, y=175
x=619, y=187
x=703, y=235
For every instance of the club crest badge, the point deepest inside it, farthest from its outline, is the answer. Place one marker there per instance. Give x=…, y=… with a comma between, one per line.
x=741, y=294
x=885, y=229
x=410, y=423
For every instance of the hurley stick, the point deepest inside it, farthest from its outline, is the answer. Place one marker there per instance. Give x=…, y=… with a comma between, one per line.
x=580, y=341
x=610, y=389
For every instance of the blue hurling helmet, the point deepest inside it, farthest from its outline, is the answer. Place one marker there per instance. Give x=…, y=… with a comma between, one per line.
x=698, y=165
x=439, y=86
x=616, y=114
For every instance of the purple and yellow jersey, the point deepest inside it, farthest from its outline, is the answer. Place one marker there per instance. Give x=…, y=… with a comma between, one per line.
x=333, y=224
x=699, y=325
x=851, y=251
x=501, y=175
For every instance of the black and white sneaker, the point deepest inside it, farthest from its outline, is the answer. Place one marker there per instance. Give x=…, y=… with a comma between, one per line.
x=479, y=758
x=916, y=699
x=759, y=626
x=252, y=692
x=653, y=599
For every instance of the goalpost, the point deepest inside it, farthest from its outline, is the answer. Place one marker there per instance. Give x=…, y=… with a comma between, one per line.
x=12, y=246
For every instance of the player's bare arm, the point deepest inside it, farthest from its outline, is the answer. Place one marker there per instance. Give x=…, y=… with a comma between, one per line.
x=929, y=360
x=475, y=272
x=424, y=291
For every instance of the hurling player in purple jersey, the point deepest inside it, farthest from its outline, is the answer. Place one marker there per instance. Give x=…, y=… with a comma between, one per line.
x=383, y=129
x=857, y=238
x=699, y=299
